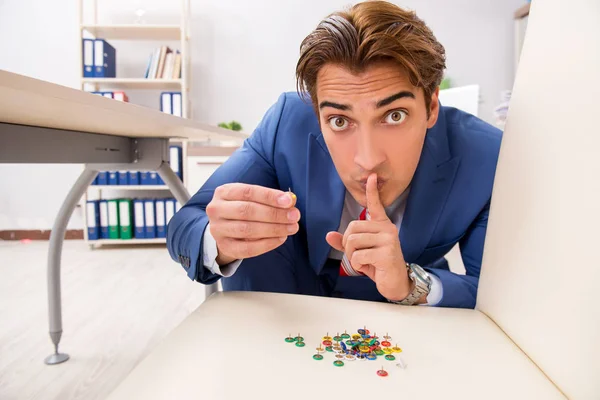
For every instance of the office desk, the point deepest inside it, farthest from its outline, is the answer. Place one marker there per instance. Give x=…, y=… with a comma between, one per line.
x=41, y=122
x=233, y=347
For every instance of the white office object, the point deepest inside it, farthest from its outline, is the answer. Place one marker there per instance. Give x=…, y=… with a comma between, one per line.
x=465, y=98
x=103, y=206
x=169, y=210
x=165, y=103
x=176, y=104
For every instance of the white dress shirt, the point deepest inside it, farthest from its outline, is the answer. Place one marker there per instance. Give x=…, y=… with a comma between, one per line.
x=350, y=212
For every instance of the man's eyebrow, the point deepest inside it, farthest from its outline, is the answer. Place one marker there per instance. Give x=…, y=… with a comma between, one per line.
x=342, y=107
x=392, y=98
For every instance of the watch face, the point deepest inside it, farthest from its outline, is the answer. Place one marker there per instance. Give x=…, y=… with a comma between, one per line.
x=421, y=274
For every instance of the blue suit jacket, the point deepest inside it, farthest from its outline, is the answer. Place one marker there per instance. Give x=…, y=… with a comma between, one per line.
x=448, y=202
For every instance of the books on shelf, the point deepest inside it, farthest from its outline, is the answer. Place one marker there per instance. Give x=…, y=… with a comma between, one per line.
x=120, y=96
x=146, y=178
x=123, y=219
x=98, y=59
x=164, y=63
x=170, y=103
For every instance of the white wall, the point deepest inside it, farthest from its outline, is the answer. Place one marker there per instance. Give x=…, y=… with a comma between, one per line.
x=244, y=54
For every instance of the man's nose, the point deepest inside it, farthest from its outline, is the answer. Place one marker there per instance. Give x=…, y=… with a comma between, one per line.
x=369, y=152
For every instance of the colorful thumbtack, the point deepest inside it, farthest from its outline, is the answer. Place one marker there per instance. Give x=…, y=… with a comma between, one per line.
x=396, y=349
x=382, y=372
x=390, y=357
x=338, y=363
x=318, y=357
x=290, y=339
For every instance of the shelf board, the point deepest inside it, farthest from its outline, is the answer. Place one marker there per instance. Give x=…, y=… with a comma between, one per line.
x=128, y=241
x=134, y=83
x=523, y=11
x=134, y=32
x=131, y=187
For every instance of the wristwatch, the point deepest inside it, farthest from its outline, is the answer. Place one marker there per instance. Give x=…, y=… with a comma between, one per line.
x=422, y=287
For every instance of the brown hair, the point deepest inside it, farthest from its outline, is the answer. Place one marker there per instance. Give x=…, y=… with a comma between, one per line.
x=369, y=32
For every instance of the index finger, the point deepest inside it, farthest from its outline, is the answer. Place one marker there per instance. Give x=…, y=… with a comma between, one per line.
x=256, y=194
x=376, y=210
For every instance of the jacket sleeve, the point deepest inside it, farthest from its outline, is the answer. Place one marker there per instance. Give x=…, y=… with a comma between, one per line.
x=460, y=291
x=251, y=164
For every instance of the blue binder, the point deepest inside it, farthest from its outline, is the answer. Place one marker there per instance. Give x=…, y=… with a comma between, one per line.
x=145, y=178
x=93, y=220
x=87, y=54
x=139, y=218
x=149, y=219
x=105, y=57
x=103, y=207
x=124, y=178
x=102, y=178
x=153, y=179
x=113, y=178
x=134, y=178
x=161, y=224
x=159, y=180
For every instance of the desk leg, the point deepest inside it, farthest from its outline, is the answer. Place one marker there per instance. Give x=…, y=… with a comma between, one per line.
x=182, y=196
x=54, y=254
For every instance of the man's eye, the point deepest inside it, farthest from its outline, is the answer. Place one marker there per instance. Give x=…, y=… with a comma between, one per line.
x=338, y=123
x=396, y=117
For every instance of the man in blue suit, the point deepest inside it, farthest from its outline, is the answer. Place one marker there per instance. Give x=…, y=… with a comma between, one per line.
x=383, y=179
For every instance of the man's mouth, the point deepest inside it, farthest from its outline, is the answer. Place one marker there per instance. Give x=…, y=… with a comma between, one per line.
x=380, y=183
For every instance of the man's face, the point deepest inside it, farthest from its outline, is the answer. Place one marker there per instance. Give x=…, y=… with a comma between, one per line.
x=373, y=122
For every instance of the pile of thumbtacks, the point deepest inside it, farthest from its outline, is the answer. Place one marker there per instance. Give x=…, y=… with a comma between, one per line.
x=361, y=346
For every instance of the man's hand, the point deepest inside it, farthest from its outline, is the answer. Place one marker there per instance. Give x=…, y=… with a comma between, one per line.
x=373, y=248
x=249, y=220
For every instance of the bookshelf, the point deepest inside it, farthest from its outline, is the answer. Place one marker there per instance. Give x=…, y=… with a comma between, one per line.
x=91, y=27
x=109, y=192
x=138, y=32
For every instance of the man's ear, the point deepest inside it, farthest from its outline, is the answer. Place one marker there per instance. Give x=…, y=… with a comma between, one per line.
x=434, y=109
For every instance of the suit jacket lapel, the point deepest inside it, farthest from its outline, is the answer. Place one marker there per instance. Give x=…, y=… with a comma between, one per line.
x=324, y=202
x=429, y=190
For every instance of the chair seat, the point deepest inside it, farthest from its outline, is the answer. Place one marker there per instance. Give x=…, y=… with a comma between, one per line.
x=233, y=347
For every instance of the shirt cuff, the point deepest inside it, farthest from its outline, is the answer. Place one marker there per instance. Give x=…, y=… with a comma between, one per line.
x=436, y=293
x=209, y=257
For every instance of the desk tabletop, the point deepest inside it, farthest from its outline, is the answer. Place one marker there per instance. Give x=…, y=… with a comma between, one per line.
x=33, y=102
x=233, y=347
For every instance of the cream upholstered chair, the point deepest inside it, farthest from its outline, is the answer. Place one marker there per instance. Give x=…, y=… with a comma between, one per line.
x=541, y=267
x=535, y=332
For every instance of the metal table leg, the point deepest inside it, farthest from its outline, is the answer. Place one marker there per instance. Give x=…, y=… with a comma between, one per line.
x=54, y=255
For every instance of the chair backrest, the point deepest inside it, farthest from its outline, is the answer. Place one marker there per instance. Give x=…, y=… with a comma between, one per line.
x=540, y=278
